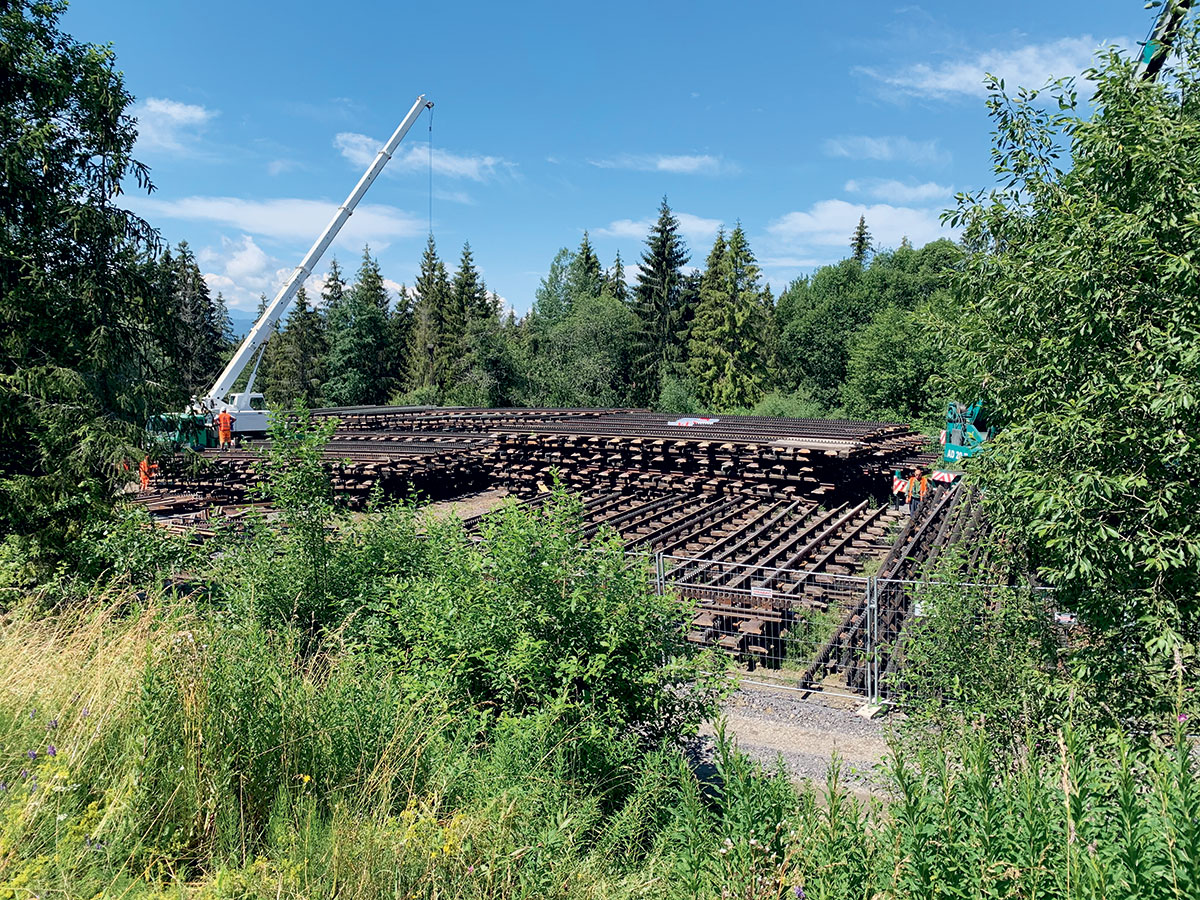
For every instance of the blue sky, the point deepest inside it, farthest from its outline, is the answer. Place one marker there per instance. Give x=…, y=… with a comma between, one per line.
x=553, y=118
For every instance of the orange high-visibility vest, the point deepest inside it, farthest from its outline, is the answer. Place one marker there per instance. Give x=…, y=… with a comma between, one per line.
x=912, y=486
x=924, y=486
x=225, y=422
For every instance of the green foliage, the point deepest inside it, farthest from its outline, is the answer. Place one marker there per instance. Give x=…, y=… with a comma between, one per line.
x=1082, y=335
x=860, y=242
x=984, y=657
x=295, y=480
x=663, y=304
x=727, y=349
x=797, y=405
x=583, y=359
x=296, y=357
x=891, y=368
x=437, y=325
x=86, y=351
x=820, y=320
x=359, y=348
x=543, y=621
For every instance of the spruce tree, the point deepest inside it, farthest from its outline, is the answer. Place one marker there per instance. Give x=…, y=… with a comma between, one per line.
x=436, y=327
x=334, y=290
x=860, y=241
x=585, y=277
x=358, y=340
x=202, y=324
x=728, y=358
x=614, y=281
x=659, y=305
x=470, y=296
x=297, y=355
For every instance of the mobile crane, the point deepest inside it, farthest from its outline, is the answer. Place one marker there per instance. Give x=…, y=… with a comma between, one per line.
x=247, y=406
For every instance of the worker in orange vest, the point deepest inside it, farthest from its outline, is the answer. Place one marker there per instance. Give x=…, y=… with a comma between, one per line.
x=225, y=428
x=146, y=471
x=924, y=487
x=911, y=494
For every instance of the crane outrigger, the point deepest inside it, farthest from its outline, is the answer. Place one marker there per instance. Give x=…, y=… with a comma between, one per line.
x=247, y=406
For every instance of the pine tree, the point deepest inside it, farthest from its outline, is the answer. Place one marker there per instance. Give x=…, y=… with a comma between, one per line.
x=614, y=281
x=728, y=358
x=358, y=340
x=585, y=277
x=436, y=328
x=860, y=241
x=658, y=304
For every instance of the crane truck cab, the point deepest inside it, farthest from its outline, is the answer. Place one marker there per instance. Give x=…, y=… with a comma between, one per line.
x=249, y=411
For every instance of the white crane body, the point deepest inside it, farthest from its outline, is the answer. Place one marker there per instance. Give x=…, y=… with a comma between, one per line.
x=246, y=406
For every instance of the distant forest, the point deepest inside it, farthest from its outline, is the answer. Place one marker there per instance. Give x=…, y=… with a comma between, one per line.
x=857, y=338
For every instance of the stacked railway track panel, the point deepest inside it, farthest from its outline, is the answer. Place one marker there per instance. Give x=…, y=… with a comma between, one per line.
x=771, y=527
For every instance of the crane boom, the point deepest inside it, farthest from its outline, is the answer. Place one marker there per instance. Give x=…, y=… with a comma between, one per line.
x=214, y=400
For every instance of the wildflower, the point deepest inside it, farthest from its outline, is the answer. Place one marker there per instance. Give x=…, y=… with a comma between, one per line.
x=33, y=713
x=1183, y=717
x=470, y=870
x=798, y=892
x=50, y=750
x=3, y=786
x=32, y=754
x=24, y=774
x=305, y=778
x=62, y=817
x=84, y=714
x=52, y=724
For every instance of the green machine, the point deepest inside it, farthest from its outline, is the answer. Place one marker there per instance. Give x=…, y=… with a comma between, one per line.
x=173, y=431
x=965, y=431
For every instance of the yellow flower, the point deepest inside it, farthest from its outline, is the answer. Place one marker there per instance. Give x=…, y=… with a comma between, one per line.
x=305, y=778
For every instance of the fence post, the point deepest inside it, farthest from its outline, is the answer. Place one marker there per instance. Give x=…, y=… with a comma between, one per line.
x=873, y=639
x=660, y=574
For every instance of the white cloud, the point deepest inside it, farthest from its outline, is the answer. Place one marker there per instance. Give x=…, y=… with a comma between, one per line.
x=168, y=124
x=454, y=197
x=898, y=192
x=887, y=149
x=694, y=228
x=829, y=223
x=676, y=165
x=1030, y=66
x=361, y=149
x=279, y=166
x=284, y=218
x=243, y=273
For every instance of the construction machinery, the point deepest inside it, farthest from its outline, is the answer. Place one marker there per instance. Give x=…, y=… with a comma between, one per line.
x=246, y=405
x=965, y=431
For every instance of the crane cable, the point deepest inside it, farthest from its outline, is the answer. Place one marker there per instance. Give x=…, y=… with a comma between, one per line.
x=431, y=171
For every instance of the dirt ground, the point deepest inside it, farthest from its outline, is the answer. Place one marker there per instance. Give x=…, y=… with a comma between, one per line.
x=806, y=733
x=468, y=505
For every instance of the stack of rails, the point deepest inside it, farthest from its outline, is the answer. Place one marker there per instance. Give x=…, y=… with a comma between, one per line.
x=444, y=452
x=735, y=454
x=432, y=464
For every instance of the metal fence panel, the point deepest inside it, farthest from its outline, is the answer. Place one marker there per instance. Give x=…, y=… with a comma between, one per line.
x=794, y=629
